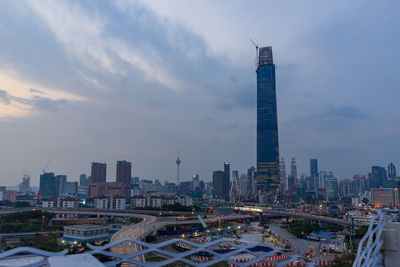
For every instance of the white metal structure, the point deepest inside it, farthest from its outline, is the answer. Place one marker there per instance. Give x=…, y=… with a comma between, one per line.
x=369, y=248
x=170, y=257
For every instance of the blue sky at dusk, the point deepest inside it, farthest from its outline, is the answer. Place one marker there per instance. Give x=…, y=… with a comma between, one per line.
x=84, y=81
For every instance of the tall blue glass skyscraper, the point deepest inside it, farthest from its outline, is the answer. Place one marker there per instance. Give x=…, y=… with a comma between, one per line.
x=267, y=126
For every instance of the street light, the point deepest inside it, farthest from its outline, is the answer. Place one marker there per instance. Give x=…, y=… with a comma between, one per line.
x=42, y=222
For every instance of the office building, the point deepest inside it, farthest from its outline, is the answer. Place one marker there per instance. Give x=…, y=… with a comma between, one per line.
x=85, y=233
x=98, y=172
x=323, y=177
x=282, y=171
x=124, y=172
x=314, y=173
x=313, y=167
x=106, y=189
x=268, y=177
x=251, y=173
x=25, y=187
x=227, y=171
x=347, y=188
x=221, y=185
x=243, y=182
x=60, y=183
x=331, y=189
x=377, y=177
x=71, y=188
x=385, y=197
x=391, y=171
x=83, y=180
x=10, y=195
x=293, y=168
x=361, y=184
x=47, y=187
x=195, y=183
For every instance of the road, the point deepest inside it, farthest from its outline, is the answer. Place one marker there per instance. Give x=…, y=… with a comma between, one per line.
x=299, y=245
x=312, y=217
x=135, y=231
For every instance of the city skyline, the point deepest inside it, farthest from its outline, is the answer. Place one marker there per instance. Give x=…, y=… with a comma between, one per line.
x=126, y=81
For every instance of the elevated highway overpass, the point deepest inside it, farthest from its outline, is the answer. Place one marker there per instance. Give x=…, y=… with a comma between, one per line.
x=307, y=216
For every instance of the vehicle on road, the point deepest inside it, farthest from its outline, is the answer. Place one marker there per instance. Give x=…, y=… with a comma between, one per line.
x=309, y=253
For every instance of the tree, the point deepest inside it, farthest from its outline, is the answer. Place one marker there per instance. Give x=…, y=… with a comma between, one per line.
x=365, y=200
x=344, y=261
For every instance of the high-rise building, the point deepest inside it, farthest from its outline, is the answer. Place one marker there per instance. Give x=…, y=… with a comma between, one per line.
x=377, y=177
x=361, y=184
x=314, y=174
x=99, y=172
x=282, y=171
x=124, y=172
x=83, y=180
x=313, y=167
x=60, y=184
x=71, y=188
x=331, y=189
x=268, y=177
x=227, y=171
x=24, y=187
x=251, y=174
x=347, y=188
x=47, y=186
x=391, y=171
x=195, y=182
x=221, y=185
x=243, y=182
x=293, y=167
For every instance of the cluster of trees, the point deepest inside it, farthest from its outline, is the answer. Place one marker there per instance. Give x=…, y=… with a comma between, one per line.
x=16, y=204
x=302, y=228
x=25, y=221
x=44, y=242
x=344, y=261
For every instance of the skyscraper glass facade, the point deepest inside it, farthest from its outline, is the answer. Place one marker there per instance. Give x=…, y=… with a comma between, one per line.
x=268, y=177
x=47, y=185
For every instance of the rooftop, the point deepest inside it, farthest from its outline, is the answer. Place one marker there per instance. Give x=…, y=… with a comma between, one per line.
x=85, y=227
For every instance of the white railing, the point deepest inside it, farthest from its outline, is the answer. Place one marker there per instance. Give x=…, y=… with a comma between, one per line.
x=369, y=248
x=163, y=248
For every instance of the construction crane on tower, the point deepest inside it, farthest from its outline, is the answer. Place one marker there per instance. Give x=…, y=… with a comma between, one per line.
x=45, y=167
x=256, y=46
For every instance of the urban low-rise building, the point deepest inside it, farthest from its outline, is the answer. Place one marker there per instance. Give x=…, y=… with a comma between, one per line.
x=138, y=202
x=101, y=203
x=111, y=202
x=49, y=203
x=85, y=233
x=385, y=197
x=69, y=203
x=185, y=201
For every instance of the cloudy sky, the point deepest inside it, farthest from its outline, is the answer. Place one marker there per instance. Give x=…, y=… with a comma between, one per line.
x=84, y=81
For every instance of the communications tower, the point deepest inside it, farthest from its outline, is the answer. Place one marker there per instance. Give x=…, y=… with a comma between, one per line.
x=178, y=162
